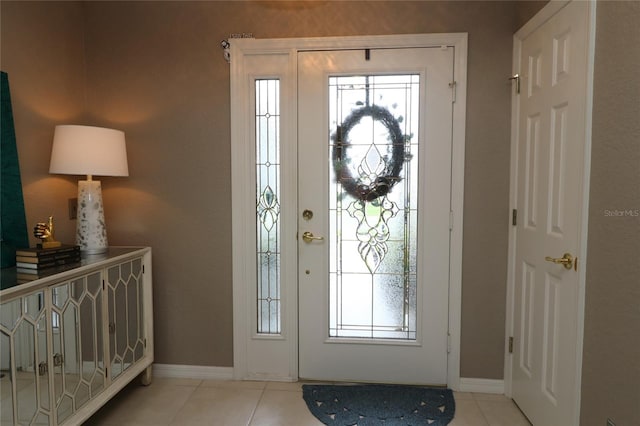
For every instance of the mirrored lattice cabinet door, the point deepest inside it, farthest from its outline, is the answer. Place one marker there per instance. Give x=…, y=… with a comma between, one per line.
x=23, y=361
x=75, y=366
x=78, y=352
x=127, y=341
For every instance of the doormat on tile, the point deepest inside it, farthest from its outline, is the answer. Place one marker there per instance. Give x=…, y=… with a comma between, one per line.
x=366, y=405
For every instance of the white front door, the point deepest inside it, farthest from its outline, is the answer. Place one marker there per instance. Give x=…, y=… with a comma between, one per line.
x=374, y=200
x=551, y=140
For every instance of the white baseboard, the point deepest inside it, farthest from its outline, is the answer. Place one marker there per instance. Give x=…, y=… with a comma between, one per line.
x=175, y=371
x=271, y=378
x=481, y=385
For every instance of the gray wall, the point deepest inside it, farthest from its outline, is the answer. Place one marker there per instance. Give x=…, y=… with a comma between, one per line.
x=42, y=51
x=611, y=361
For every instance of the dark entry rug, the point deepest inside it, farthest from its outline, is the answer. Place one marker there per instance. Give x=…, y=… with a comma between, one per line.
x=366, y=405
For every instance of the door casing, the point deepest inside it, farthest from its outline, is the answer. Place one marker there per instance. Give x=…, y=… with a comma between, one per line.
x=260, y=357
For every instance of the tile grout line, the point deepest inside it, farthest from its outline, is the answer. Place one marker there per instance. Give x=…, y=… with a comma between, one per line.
x=185, y=402
x=486, y=420
x=253, y=412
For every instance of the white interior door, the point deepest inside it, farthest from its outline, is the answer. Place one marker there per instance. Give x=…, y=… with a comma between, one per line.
x=551, y=140
x=374, y=150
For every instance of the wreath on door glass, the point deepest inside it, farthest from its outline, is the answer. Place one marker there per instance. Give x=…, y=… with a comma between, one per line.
x=384, y=181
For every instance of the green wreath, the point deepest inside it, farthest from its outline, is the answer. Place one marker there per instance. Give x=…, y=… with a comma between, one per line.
x=383, y=183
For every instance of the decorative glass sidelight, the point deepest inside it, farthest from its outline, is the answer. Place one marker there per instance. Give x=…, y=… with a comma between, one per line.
x=267, y=123
x=373, y=201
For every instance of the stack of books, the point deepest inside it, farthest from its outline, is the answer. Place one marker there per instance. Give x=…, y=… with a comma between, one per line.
x=33, y=263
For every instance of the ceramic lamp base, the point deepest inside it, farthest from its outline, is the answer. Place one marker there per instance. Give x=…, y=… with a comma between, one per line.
x=91, y=231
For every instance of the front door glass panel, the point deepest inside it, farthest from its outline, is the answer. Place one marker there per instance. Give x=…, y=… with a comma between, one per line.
x=373, y=203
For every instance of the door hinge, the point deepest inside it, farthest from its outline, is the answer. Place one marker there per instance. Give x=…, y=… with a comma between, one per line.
x=516, y=77
x=453, y=86
x=448, y=343
x=450, y=220
x=514, y=217
x=510, y=345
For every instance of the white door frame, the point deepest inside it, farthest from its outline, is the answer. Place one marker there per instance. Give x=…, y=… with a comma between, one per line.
x=284, y=365
x=540, y=18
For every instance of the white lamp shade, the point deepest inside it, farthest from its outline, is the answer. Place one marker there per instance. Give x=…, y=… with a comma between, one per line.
x=87, y=150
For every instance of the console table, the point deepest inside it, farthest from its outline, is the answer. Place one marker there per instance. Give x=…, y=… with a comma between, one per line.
x=70, y=340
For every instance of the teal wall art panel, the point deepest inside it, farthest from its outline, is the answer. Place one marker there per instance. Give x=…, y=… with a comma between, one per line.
x=13, y=222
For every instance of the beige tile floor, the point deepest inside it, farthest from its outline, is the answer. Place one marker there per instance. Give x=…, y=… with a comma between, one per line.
x=185, y=402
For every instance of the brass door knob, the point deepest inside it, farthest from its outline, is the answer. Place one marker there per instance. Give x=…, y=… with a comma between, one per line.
x=308, y=237
x=566, y=260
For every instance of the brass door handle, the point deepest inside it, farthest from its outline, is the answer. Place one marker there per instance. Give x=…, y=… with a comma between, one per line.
x=308, y=237
x=566, y=260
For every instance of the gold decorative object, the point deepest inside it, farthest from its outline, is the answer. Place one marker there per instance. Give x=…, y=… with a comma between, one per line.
x=44, y=232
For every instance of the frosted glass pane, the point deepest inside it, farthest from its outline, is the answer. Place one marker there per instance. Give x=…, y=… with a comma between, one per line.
x=388, y=302
x=356, y=292
x=393, y=262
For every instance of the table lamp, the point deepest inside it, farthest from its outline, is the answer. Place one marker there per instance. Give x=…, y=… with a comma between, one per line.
x=87, y=150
